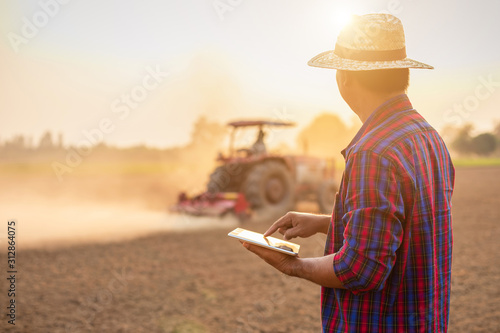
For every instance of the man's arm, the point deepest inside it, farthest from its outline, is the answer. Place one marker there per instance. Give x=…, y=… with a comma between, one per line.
x=317, y=270
x=320, y=271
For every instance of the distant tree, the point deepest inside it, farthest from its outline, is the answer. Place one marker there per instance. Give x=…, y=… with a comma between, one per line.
x=462, y=142
x=483, y=144
x=60, y=141
x=18, y=142
x=46, y=141
x=206, y=133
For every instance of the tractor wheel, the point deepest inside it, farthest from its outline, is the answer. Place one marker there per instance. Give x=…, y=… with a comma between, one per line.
x=326, y=196
x=219, y=180
x=269, y=186
x=226, y=178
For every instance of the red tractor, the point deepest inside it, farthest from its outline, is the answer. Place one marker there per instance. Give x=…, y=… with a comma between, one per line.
x=252, y=179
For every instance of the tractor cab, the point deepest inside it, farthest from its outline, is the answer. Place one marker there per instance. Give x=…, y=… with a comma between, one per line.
x=247, y=140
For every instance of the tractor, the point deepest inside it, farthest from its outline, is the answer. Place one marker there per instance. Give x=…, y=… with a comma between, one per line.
x=250, y=179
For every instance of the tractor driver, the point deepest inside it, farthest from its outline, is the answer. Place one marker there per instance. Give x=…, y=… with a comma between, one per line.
x=259, y=146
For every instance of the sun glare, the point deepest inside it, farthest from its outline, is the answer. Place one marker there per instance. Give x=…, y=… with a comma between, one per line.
x=342, y=17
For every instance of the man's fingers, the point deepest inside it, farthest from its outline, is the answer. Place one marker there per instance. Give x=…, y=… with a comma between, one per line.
x=290, y=233
x=276, y=225
x=281, y=222
x=272, y=229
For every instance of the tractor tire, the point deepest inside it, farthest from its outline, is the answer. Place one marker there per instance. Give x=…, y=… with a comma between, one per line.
x=226, y=178
x=269, y=187
x=219, y=180
x=326, y=196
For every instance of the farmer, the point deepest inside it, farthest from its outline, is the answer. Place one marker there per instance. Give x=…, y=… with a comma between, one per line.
x=259, y=147
x=387, y=259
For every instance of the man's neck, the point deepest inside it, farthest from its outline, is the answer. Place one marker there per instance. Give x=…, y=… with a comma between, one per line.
x=365, y=105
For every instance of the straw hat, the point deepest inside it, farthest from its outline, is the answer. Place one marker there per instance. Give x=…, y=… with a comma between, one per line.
x=369, y=42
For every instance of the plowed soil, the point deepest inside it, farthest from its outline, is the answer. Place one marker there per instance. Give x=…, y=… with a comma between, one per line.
x=203, y=281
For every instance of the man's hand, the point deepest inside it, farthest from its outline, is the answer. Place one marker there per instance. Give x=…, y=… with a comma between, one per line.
x=285, y=263
x=304, y=225
x=318, y=270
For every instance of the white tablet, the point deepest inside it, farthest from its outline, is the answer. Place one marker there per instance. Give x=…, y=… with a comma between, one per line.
x=267, y=242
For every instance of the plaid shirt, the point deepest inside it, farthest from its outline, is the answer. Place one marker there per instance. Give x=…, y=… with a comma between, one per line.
x=391, y=228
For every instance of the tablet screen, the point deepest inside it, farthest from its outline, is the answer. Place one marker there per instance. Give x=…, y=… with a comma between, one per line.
x=272, y=243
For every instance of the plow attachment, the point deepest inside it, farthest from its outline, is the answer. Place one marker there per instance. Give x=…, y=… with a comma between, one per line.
x=214, y=204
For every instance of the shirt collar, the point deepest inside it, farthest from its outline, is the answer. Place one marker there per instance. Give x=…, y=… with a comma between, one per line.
x=395, y=104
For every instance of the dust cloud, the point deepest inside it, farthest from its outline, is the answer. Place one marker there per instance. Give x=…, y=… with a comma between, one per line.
x=98, y=207
x=42, y=222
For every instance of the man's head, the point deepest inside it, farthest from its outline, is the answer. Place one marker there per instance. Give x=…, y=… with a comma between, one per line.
x=370, y=59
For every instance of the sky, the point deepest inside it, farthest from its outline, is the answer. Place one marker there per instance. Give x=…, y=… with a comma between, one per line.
x=141, y=72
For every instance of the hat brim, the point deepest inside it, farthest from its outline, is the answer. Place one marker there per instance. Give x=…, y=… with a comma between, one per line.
x=329, y=59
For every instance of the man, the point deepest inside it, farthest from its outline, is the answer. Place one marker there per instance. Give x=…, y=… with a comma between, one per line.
x=387, y=263
x=259, y=147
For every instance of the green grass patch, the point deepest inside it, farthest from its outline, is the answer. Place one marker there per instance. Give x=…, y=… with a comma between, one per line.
x=476, y=162
x=25, y=168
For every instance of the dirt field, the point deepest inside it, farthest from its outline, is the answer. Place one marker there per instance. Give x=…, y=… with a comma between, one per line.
x=204, y=281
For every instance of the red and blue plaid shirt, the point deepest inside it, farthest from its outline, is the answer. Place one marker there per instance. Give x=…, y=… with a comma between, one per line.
x=391, y=228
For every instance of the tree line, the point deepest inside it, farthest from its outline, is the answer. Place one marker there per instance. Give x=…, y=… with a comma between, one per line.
x=324, y=136
x=465, y=143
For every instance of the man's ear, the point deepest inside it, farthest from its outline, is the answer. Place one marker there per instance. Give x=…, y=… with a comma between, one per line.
x=343, y=79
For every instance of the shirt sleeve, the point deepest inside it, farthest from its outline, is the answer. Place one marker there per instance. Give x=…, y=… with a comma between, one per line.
x=374, y=208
